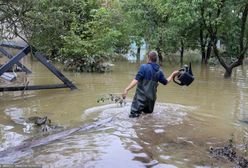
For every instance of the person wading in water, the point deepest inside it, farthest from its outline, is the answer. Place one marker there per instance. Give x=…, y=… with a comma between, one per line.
x=147, y=80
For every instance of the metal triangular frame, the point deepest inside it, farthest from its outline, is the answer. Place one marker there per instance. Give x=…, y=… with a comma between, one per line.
x=25, y=50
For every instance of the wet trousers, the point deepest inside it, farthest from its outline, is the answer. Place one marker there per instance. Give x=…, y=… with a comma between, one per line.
x=141, y=104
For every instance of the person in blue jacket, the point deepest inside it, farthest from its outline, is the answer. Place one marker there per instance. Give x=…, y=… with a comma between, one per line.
x=147, y=80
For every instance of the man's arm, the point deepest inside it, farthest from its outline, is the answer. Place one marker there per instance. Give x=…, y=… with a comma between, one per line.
x=175, y=73
x=130, y=86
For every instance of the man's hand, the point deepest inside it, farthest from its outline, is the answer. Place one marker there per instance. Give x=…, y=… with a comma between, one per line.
x=130, y=86
x=175, y=73
x=124, y=94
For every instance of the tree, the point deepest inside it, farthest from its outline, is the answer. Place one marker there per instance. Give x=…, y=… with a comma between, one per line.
x=146, y=23
x=181, y=27
x=93, y=42
x=227, y=21
x=135, y=23
x=87, y=32
x=13, y=17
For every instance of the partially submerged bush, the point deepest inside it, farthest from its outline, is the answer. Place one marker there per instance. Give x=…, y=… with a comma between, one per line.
x=87, y=64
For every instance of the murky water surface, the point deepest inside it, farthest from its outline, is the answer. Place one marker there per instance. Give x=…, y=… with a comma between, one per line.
x=185, y=123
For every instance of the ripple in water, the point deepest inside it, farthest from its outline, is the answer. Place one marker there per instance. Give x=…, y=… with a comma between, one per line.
x=140, y=135
x=136, y=142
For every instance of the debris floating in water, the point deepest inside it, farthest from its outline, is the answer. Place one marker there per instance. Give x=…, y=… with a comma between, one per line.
x=116, y=98
x=229, y=152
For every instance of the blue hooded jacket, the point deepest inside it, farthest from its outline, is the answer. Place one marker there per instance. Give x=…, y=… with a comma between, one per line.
x=146, y=72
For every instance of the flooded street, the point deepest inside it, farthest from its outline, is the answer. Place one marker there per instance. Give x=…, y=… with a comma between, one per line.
x=185, y=123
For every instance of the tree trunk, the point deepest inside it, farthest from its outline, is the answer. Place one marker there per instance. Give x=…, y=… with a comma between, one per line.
x=159, y=51
x=228, y=69
x=243, y=48
x=138, y=54
x=203, y=44
x=202, y=40
x=209, y=50
x=160, y=57
x=181, y=53
x=228, y=73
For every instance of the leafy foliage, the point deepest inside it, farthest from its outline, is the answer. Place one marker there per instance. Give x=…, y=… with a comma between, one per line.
x=87, y=32
x=95, y=41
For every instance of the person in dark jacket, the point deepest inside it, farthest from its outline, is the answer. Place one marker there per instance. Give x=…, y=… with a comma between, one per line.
x=147, y=80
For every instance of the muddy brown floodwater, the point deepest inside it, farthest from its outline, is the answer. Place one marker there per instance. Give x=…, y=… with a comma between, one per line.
x=185, y=123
